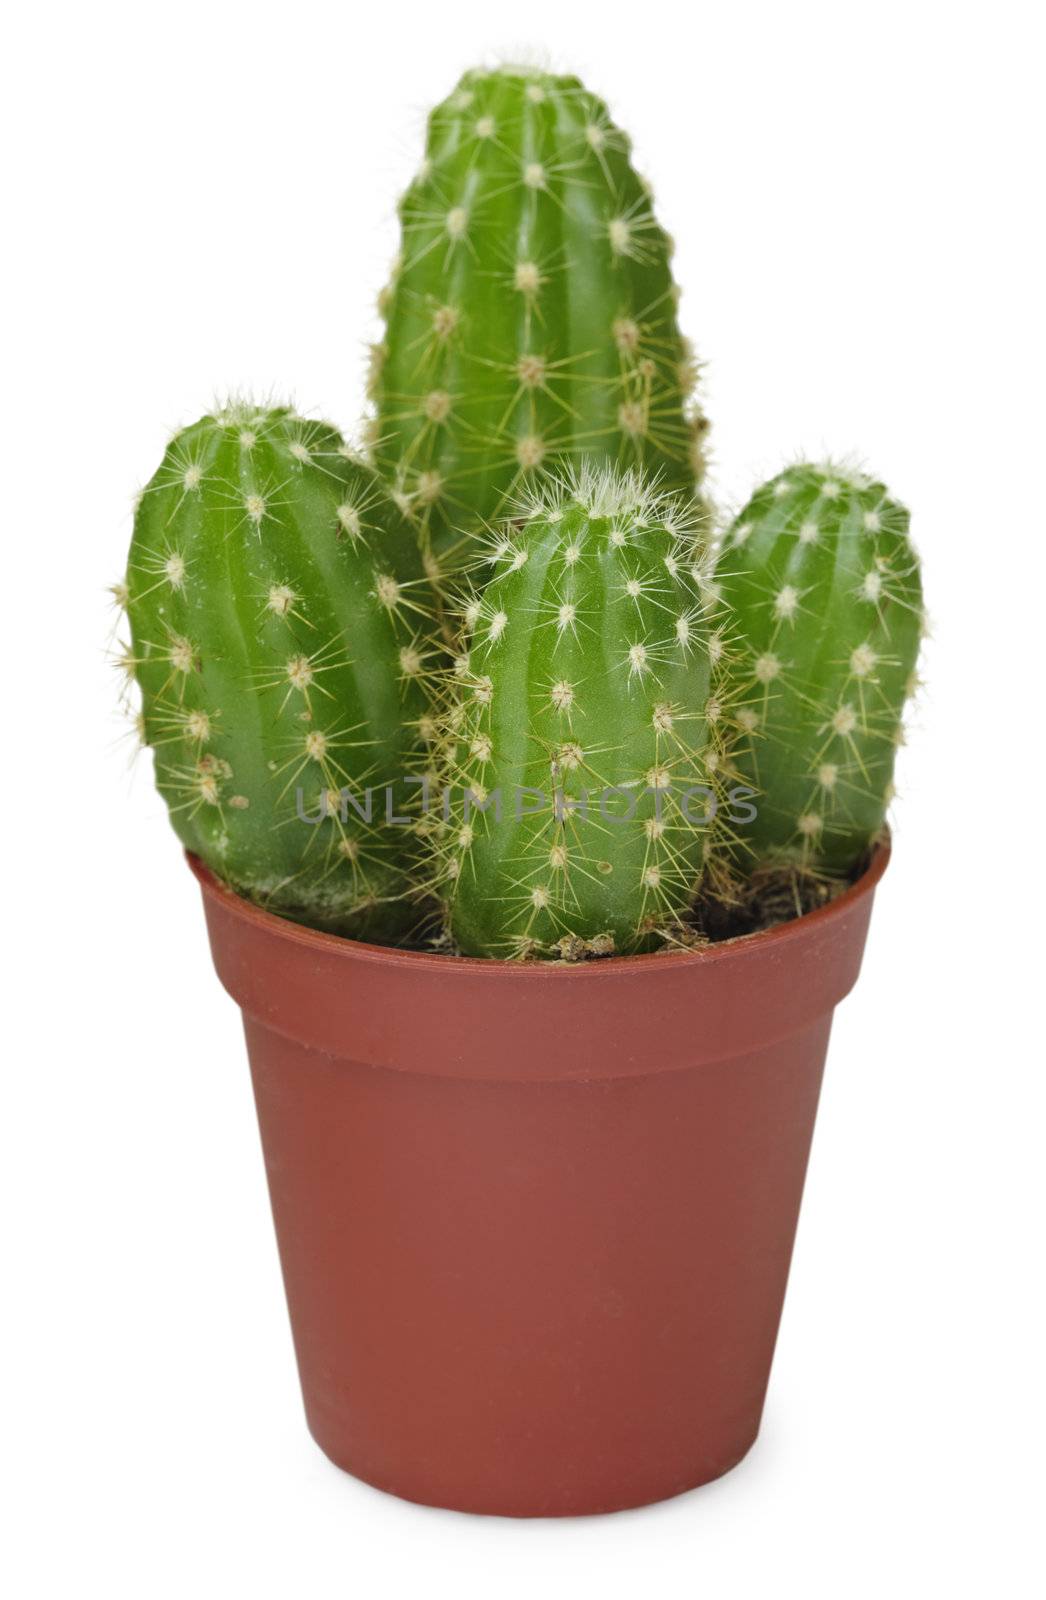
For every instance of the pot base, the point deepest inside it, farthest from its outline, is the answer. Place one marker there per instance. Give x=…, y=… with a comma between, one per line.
x=442, y=1497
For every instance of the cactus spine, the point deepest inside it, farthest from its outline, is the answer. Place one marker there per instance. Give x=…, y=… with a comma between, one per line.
x=532, y=313
x=577, y=734
x=824, y=594
x=277, y=643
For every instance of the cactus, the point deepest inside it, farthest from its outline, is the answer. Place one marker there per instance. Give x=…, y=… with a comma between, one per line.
x=531, y=318
x=278, y=644
x=824, y=593
x=576, y=732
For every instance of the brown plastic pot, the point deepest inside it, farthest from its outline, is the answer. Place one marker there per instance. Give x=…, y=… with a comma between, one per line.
x=536, y=1221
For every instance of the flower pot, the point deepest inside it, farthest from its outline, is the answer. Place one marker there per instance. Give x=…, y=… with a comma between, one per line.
x=535, y=1221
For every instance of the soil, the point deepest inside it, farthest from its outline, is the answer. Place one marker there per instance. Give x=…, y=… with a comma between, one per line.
x=725, y=909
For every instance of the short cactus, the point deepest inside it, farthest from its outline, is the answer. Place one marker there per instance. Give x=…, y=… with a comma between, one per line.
x=579, y=767
x=531, y=318
x=277, y=640
x=822, y=591
x=588, y=750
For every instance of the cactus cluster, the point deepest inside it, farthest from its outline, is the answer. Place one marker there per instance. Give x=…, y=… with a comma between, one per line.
x=530, y=321
x=501, y=667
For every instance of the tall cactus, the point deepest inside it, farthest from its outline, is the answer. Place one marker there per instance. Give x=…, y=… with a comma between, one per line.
x=578, y=760
x=824, y=595
x=277, y=640
x=531, y=317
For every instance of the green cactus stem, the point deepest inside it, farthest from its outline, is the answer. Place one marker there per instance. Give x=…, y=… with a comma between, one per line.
x=823, y=589
x=279, y=649
x=579, y=771
x=531, y=317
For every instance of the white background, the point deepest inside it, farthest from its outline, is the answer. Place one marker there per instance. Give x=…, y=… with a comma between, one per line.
x=201, y=196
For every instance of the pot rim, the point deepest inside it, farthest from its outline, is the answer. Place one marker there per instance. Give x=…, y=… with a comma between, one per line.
x=335, y=944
